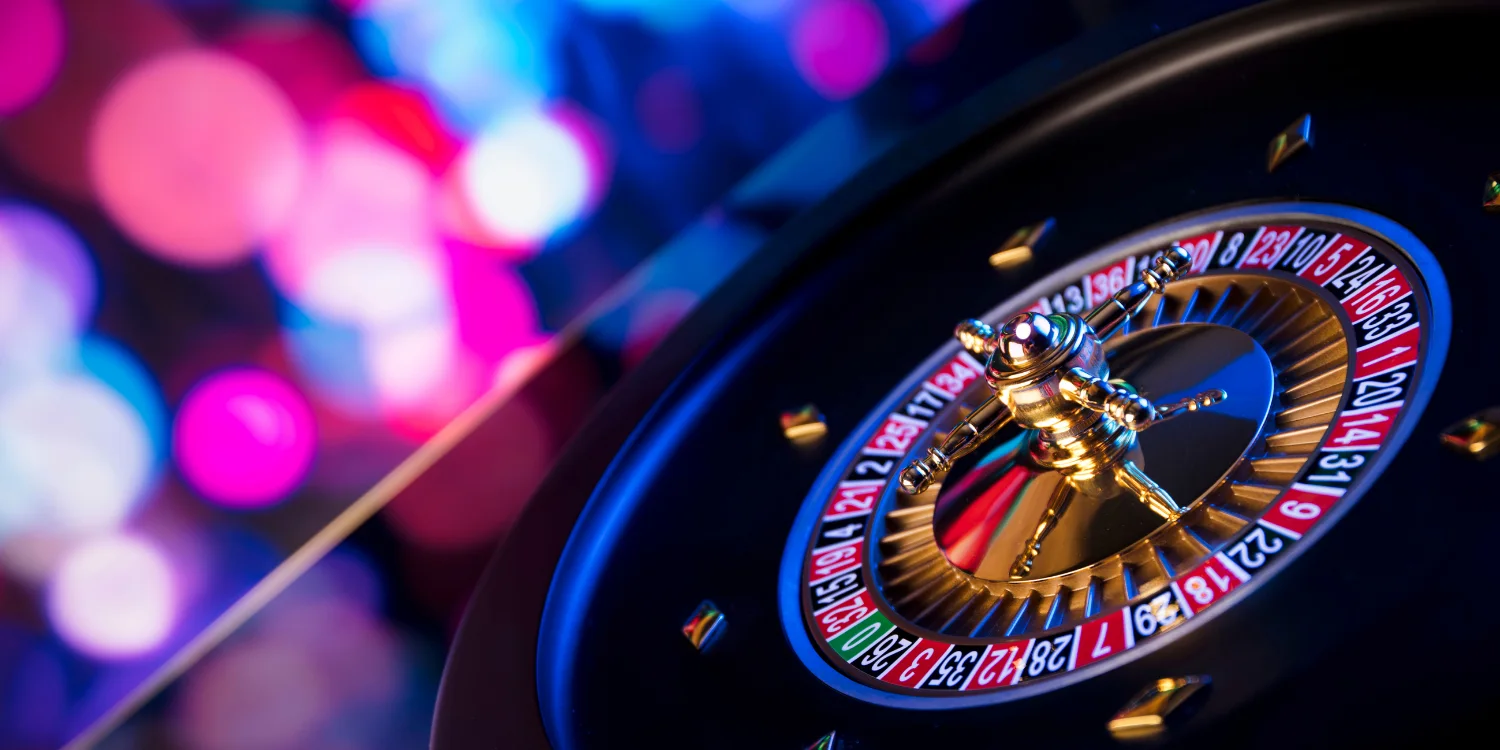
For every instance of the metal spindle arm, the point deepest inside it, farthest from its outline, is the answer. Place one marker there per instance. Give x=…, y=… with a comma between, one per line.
x=1109, y=317
x=965, y=437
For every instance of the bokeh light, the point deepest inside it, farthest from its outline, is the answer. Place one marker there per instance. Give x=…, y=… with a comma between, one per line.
x=48, y=288
x=376, y=286
x=476, y=59
x=413, y=363
x=317, y=668
x=401, y=116
x=31, y=50
x=839, y=46
x=123, y=372
x=198, y=156
x=363, y=199
x=114, y=598
x=357, y=654
x=74, y=455
x=48, y=139
x=526, y=178
x=495, y=309
x=319, y=232
x=261, y=695
x=244, y=438
x=329, y=357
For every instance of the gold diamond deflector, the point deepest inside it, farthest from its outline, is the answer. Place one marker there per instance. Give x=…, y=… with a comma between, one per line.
x=704, y=626
x=1021, y=245
x=1297, y=136
x=1250, y=316
x=1477, y=437
x=1164, y=701
x=804, y=424
x=1492, y=193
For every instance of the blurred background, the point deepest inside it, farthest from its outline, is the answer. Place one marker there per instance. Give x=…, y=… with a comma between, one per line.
x=263, y=261
x=254, y=254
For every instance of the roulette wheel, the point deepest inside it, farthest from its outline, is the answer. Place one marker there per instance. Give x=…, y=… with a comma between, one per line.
x=1148, y=405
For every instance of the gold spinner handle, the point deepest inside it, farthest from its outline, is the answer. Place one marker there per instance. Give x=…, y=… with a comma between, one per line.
x=1109, y=317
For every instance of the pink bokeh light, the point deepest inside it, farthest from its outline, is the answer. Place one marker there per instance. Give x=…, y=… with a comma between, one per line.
x=114, y=598
x=31, y=50
x=423, y=377
x=364, y=197
x=197, y=155
x=839, y=46
x=48, y=139
x=244, y=438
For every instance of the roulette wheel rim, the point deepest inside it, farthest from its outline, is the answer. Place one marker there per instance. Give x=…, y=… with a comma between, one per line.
x=1435, y=344
x=490, y=689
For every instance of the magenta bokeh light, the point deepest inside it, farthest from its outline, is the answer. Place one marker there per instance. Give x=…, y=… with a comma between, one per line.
x=839, y=46
x=244, y=438
x=197, y=155
x=31, y=50
x=114, y=598
x=496, y=312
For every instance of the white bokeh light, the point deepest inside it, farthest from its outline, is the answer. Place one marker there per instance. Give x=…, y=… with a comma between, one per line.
x=377, y=286
x=408, y=364
x=75, y=456
x=114, y=598
x=526, y=178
